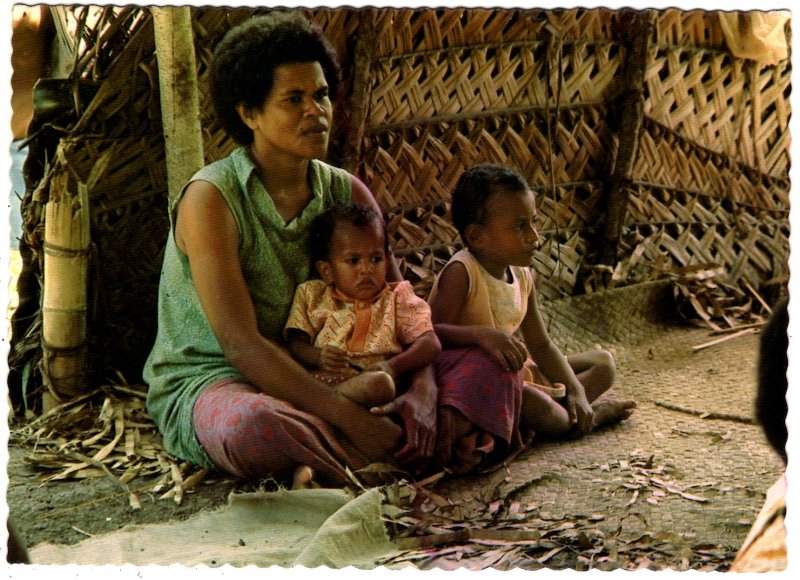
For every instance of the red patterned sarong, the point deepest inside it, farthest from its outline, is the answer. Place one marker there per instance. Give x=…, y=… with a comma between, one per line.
x=473, y=384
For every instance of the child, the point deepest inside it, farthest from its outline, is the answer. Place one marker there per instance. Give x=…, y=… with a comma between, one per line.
x=352, y=321
x=485, y=294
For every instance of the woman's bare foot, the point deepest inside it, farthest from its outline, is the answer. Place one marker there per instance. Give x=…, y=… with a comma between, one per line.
x=612, y=411
x=368, y=389
x=303, y=478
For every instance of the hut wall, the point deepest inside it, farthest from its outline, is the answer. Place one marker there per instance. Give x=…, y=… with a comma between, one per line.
x=431, y=92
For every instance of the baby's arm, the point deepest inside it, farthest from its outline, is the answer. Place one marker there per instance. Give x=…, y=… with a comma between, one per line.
x=446, y=307
x=327, y=358
x=554, y=365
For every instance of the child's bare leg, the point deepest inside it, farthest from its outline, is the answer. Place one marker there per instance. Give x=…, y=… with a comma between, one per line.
x=542, y=413
x=612, y=411
x=595, y=369
x=368, y=389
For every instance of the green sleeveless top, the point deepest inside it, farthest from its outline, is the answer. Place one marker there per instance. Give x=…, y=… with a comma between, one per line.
x=274, y=256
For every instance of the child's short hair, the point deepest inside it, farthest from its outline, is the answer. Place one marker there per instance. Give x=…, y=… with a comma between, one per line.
x=244, y=62
x=473, y=189
x=357, y=214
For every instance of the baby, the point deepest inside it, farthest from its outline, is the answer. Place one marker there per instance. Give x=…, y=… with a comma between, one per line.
x=352, y=322
x=486, y=297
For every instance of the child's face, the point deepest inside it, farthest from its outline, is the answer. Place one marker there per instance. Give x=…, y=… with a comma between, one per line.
x=508, y=235
x=356, y=263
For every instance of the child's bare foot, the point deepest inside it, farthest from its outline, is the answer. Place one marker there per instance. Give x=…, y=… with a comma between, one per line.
x=303, y=478
x=368, y=389
x=607, y=412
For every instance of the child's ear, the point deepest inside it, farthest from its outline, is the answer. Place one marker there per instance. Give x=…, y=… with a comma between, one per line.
x=324, y=269
x=474, y=235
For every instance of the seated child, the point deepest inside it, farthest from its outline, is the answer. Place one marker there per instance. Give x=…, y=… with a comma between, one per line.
x=485, y=296
x=352, y=321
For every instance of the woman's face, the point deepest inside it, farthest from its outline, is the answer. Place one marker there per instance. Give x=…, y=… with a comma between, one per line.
x=295, y=120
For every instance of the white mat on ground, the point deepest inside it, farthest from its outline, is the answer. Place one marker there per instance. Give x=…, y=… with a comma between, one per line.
x=315, y=527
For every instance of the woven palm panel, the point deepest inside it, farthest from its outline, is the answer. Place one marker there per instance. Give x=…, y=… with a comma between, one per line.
x=698, y=94
x=752, y=249
x=666, y=159
x=422, y=162
x=698, y=28
x=771, y=141
x=483, y=78
x=401, y=31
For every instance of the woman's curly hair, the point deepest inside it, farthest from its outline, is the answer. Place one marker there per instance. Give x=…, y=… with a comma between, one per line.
x=242, y=67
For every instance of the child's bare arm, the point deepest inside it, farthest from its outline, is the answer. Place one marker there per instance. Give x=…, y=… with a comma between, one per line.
x=506, y=349
x=419, y=353
x=554, y=365
x=327, y=358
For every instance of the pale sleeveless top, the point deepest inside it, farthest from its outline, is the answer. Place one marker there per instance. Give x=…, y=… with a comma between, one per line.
x=274, y=256
x=492, y=302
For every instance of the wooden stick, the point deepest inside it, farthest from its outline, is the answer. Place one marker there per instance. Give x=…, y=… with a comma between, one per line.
x=724, y=338
x=756, y=325
x=707, y=414
x=758, y=297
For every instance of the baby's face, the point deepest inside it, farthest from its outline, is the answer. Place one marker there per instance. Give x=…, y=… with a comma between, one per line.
x=357, y=260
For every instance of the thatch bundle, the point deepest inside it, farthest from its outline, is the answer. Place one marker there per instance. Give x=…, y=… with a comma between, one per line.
x=651, y=146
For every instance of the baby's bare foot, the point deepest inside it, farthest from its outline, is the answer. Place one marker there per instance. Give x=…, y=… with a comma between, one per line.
x=369, y=389
x=303, y=478
x=612, y=411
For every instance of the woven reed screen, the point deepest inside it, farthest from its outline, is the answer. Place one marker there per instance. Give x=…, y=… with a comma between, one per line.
x=431, y=92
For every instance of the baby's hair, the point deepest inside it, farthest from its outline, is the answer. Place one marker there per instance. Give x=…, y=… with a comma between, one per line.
x=356, y=214
x=473, y=189
x=244, y=63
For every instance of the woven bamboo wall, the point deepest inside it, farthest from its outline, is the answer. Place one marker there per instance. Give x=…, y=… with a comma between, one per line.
x=431, y=92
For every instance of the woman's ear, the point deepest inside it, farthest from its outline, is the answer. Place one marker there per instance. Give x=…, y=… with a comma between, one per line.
x=324, y=269
x=246, y=115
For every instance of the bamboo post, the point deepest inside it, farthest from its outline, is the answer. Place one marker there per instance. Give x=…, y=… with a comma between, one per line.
x=641, y=25
x=358, y=103
x=66, y=263
x=180, y=104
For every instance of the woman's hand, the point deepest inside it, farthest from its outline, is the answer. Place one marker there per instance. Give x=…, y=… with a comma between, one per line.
x=507, y=350
x=416, y=409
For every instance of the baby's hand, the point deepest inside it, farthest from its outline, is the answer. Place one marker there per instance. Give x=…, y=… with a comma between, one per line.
x=384, y=366
x=332, y=359
x=507, y=350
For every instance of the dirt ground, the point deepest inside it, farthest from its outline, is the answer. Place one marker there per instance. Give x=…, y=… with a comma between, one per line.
x=672, y=487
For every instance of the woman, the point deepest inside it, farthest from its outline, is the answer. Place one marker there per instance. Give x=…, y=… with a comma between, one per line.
x=222, y=388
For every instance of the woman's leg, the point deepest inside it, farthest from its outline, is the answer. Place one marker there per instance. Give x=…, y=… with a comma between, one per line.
x=254, y=436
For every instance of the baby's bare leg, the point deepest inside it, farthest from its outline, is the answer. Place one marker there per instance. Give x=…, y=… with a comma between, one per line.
x=368, y=389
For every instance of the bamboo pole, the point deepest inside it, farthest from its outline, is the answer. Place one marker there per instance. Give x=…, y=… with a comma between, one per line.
x=66, y=263
x=180, y=104
x=359, y=101
x=641, y=27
